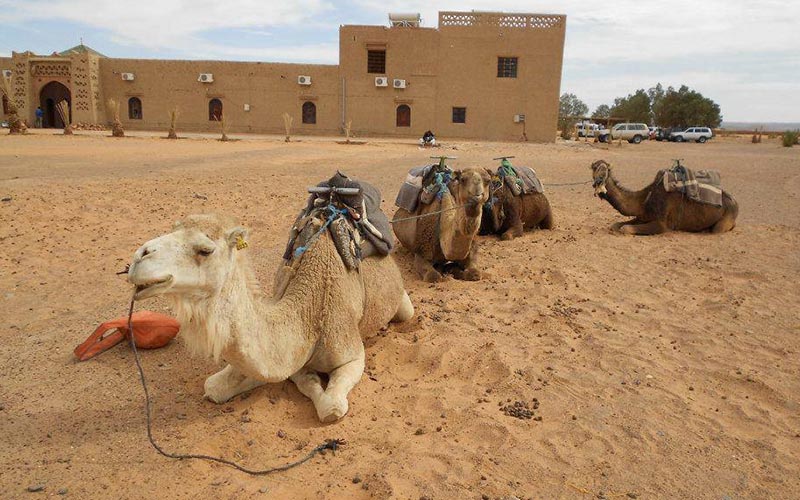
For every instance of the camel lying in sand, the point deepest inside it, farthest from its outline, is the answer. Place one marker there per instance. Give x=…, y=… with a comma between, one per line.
x=314, y=324
x=448, y=237
x=510, y=215
x=655, y=211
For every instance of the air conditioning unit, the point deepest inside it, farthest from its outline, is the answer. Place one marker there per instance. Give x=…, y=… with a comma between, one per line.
x=128, y=77
x=304, y=80
x=7, y=73
x=399, y=84
x=519, y=118
x=205, y=78
x=381, y=81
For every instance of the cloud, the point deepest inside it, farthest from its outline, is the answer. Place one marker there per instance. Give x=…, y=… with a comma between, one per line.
x=159, y=24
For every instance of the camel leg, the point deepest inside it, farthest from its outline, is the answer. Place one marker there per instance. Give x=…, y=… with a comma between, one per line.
x=725, y=224
x=309, y=384
x=425, y=269
x=469, y=265
x=332, y=405
x=406, y=309
x=617, y=226
x=654, y=227
x=547, y=222
x=227, y=383
x=515, y=231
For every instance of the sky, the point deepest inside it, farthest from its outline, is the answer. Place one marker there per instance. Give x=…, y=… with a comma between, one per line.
x=742, y=54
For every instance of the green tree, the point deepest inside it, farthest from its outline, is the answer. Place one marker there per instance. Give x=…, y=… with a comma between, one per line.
x=570, y=108
x=603, y=111
x=685, y=107
x=634, y=108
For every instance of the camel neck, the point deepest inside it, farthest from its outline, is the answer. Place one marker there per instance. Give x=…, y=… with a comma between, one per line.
x=627, y=202
x=244, y=329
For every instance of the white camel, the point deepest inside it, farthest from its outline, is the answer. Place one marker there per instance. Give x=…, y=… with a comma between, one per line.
x=314, y=323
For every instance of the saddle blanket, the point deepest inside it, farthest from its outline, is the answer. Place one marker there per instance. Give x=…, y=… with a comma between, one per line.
x=423, y=184
x=699, y=185
x=521, y=180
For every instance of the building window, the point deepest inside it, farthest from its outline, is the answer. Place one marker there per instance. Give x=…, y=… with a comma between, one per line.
x=309, y=113
x=459, y=115
x=376, y=61
x=403, y=115
x=135, y=108
x=506, y=67
x=214, y=110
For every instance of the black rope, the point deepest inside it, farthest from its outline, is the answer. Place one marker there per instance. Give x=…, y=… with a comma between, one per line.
x=330, y=444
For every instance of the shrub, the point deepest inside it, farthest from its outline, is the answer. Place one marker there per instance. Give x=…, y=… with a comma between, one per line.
x=790, y=138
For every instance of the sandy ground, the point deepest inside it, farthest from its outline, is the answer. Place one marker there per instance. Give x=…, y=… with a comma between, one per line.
x=664, y=367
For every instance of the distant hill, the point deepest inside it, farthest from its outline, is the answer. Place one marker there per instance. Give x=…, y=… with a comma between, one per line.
x=768, y=126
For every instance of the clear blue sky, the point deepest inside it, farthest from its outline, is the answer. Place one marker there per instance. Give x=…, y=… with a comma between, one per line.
x=742, y=54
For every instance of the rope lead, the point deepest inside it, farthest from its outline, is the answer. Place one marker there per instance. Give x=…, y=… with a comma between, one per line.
x=329, y=444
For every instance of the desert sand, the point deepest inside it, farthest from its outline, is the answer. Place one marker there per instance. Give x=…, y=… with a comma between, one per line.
x=663, y=366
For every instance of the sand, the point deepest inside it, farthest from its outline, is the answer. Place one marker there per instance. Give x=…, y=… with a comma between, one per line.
x=663, y=366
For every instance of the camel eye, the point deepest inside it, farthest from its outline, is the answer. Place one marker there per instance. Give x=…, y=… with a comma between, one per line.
x=205, y=252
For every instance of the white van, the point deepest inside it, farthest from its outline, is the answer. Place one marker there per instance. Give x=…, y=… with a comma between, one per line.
x=587, y=129
x=631, y=132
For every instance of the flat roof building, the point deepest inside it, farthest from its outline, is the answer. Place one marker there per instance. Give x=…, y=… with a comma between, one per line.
x=479, y=75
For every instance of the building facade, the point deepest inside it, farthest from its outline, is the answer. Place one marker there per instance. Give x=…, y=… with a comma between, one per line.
x=479, y=75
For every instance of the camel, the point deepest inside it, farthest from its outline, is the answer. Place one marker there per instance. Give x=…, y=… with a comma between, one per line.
x=448, y=237
x=313, y=324
x=509, y=215
x=655, y=211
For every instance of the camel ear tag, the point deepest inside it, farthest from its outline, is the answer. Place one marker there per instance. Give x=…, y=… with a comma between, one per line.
x=241, y=244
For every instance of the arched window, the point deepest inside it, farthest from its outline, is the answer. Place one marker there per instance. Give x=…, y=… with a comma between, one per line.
x=309, y=112
x=135, y=108
x=403, y=115
x=214, y=110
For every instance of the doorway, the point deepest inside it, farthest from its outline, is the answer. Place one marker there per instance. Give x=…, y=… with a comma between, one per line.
x=49, y=97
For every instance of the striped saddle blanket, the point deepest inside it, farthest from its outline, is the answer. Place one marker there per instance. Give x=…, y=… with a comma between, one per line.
x=699, y=185
x=520, y=180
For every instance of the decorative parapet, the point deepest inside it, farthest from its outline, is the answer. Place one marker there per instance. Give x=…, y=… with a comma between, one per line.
x=499, y=19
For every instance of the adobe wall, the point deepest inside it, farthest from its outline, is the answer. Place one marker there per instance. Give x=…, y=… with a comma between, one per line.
x=270, y=89
x=456, y=66
x=468, y=74
x=411, y=54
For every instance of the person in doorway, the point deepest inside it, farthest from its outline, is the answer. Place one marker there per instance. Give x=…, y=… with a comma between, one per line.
x=39, y=116
x=428, y=139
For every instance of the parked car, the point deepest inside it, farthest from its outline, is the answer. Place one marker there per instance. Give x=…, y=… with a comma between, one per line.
x=699, y=134
x=631, y=132
x=3, y=124
x=587, y=129
x=662, y=134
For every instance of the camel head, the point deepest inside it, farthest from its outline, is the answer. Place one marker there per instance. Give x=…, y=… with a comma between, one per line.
x=601, y=170
x=493, y=208
x=471, y=188
x=194, y=260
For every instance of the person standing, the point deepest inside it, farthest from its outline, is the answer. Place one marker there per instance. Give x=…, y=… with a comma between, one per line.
x=39, y=116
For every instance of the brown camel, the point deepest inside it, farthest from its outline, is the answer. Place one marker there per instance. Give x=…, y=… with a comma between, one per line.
x=447, y=237
x=509, y=215
x=655, y=211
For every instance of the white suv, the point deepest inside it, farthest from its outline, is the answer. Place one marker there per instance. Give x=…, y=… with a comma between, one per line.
x=632, y=132
x=699, y=134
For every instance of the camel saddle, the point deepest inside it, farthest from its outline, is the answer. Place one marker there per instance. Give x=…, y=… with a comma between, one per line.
x=350, y=211
x=423, y=184
x=702, y=186
x=520, y=180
